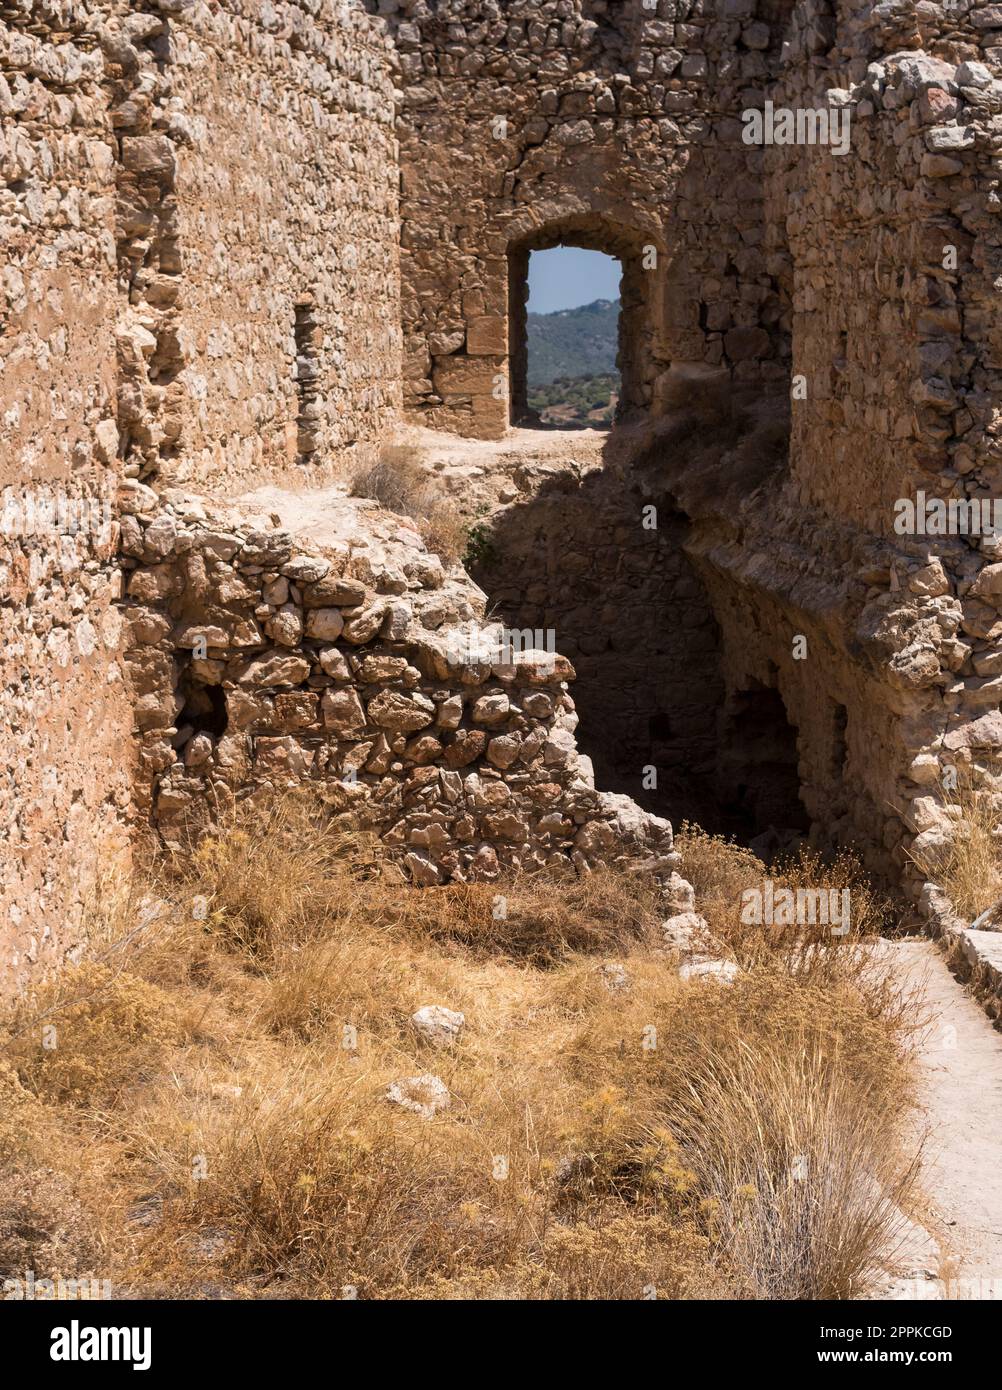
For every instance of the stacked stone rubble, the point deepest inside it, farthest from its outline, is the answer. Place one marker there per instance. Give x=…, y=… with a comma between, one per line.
x=375, y=681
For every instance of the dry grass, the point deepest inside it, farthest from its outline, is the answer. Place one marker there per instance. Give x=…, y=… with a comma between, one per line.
x=721, y=872
x=213, y=1118
x=970, y=872
x=399, y=483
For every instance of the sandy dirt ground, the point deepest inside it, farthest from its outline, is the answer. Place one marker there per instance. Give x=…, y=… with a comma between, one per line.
x=959, y=1252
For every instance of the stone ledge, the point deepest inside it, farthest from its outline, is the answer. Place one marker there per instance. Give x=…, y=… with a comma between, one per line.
x=975, y=953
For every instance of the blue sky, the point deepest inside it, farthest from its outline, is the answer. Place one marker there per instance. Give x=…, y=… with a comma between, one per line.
x=567, y=276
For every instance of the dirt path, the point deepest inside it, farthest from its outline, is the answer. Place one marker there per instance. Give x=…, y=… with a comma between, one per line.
x=961, y=1069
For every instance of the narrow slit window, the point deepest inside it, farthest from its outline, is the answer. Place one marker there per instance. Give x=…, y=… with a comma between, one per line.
x=307, y=374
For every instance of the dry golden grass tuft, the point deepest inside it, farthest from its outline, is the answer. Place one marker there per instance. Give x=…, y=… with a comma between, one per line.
x=215, y=1110
x=399, y=482
x=721, y=871
x=970, y=872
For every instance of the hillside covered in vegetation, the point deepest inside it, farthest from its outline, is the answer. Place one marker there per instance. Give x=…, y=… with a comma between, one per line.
x=573, y=342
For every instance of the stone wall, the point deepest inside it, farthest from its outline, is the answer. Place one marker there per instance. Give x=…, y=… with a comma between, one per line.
x=609, y=126
x=258, y=184
x=200, y=279
x=64, y=711
x=216, y=256
x=359, y=668
x=598, y=561
x=894, y=249
x=878, y=269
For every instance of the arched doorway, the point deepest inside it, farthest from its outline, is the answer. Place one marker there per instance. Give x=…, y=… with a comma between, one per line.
x=642, y=264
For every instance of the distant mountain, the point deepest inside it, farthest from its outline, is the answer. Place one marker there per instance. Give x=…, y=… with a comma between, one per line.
x=573, y=342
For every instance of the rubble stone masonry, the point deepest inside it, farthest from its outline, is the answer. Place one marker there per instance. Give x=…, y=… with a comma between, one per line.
x=183, y=184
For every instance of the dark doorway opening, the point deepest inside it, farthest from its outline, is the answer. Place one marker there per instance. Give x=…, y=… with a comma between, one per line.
x=757, y=768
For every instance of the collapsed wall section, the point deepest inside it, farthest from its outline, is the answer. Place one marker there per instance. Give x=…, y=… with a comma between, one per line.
x=357, y=668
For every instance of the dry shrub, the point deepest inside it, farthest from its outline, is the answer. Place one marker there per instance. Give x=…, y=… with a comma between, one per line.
x=80, y=1038
x=970, y=871
x=533, y=919
x=721, y=872
x=399, y=483
x=275, y=878
x=59, y=1185
x=607, y=1256
x=773, y=1111
x=800, y=1164
x=45, y=1228
x=575, y=1160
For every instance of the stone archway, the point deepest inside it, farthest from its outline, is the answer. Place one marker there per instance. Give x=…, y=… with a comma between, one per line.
x=641, y=258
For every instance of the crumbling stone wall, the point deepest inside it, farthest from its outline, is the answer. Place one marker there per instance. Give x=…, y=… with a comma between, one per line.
x=894, y=254
x=203, y=279
x=597, y=563
x=200, y=278
x=258, y=197
x=365, y=673
x=862, y=283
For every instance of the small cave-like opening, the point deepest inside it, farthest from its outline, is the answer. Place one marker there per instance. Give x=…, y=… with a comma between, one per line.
x=204, y=711
x=758, y=766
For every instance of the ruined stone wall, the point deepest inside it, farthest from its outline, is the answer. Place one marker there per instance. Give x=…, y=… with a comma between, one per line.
x=200, y=278
x=611, y=126
x=894, y=249
x=200, y=210
x=359, y=669
x=597, y=565
x=618, y=126
x=259, y=193
x=64, y=711
x=886, y=325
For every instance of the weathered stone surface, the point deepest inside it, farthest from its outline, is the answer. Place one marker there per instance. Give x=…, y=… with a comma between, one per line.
x=324, y=624
x=437, y=1024
x=342, y=713
x=397, y=713
x=425, y=1095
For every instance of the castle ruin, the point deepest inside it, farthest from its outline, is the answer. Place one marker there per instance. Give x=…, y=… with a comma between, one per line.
x=247, y=239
